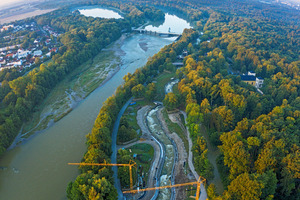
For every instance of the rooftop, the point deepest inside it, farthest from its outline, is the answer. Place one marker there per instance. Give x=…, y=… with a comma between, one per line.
x=248, y=78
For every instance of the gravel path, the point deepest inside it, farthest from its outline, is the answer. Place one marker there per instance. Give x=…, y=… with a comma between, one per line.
x=203, y=194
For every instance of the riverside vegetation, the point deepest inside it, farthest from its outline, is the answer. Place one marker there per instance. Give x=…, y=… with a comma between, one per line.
x=258, y=135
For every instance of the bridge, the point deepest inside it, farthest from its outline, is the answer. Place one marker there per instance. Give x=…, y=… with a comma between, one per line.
x=168, y=34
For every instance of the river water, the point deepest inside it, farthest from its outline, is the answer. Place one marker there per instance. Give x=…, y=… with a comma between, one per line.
x=37, y=169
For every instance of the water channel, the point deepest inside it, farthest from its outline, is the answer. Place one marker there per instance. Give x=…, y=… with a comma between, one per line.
x=37, y=169
x=157, y=131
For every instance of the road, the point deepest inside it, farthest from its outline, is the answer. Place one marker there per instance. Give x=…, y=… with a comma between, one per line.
x=117, y=183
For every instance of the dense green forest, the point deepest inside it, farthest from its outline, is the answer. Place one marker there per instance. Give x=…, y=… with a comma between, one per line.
x=258, y=135
x=83, y=38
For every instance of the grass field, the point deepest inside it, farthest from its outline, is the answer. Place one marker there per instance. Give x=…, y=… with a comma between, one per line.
x=162, y=80
x=145, y=153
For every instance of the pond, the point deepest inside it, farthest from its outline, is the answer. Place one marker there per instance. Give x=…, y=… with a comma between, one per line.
x=99, y=12
x=172, y=24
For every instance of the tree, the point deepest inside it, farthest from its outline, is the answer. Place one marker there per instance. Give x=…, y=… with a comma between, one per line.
x=244, y=187
x=222, y=118
x=269, y=181
x=138, y=90
x=170, y=101
x=150, y=91
x=235, y=155
x=91, y=186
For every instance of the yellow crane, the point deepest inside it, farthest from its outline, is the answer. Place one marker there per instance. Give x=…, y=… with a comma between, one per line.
x=198, y=183
x=130, y=165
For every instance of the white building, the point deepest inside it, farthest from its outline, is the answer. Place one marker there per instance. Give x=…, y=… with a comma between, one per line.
x=251, y=73
x=37, y=53
x=259, y=82
x=23, y=54
x=2, y=62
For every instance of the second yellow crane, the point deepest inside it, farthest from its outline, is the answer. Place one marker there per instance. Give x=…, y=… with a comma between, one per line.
x=130, y=165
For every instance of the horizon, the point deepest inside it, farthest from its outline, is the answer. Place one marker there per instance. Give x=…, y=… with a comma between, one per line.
x=4, y=4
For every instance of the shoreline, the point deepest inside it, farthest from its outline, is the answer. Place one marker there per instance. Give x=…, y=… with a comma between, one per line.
x=21, y=137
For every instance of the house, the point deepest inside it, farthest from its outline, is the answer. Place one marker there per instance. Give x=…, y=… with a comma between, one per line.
x=55, y=49
x=249, y=79
x=259, y=82
x=251, y=73
x=17, y=63
x=5, y=28
x=2, y=62
x=37, y=53
x=11, y=55
x=48, y=41
x=23, y=54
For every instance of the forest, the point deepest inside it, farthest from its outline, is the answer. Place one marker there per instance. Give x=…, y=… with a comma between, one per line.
x=258, y=135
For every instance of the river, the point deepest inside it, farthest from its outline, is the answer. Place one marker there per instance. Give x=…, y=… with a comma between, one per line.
x=37, y=169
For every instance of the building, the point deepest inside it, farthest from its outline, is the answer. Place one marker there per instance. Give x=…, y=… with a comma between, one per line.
x=2, y=62
x=259, y=82
x=5, y=28
x=23, y=54
x=249, y=79
x=37, y=53
x=251, y=73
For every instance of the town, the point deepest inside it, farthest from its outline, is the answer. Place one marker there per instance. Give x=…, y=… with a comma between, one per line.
x=24, y=44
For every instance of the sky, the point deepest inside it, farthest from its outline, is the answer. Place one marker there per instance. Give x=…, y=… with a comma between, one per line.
x=6, y=3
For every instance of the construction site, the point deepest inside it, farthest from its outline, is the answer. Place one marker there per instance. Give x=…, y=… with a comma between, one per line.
x=169, y=172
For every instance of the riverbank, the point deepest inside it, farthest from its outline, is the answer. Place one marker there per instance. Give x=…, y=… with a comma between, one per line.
x=76, y=87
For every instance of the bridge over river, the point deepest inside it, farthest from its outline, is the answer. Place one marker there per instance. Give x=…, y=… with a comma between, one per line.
x=155, y=33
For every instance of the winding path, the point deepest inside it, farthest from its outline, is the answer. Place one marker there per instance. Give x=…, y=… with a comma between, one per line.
x=117, y=183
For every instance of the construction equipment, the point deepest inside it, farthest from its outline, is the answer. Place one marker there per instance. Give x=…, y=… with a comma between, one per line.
x=198, y=183
x=130, y=165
